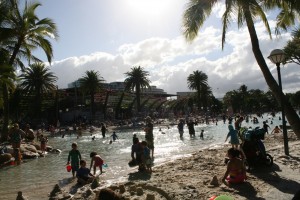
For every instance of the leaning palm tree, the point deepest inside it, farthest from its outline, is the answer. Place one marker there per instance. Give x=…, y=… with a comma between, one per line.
x=247, y=11
x=198, y=81
x=91, y=83
x=21, y=32
x=37, y=80
x=136, y=80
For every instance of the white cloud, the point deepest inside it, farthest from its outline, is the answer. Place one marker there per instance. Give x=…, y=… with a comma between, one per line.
x=170, y=61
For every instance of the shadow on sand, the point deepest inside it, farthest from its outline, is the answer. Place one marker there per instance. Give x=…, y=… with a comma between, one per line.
x=270, y=176
x=139, y=176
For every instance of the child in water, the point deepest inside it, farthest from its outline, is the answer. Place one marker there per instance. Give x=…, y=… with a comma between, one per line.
x=146, y=157
x=114, y=136
x=97, y=160
x=75, y=157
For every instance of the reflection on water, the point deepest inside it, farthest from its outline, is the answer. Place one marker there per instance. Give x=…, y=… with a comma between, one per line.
x=37, y=177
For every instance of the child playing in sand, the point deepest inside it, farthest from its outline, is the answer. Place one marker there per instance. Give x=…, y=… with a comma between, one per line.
x=236, y=171
x=75, y=157
x=98, y=162
x=84, y=175
x=146, y=157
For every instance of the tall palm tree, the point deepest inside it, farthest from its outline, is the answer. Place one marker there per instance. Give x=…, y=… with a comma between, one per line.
x=136, y=80
x=21, y=32
x=37, y=80
x=247, y=11
x=292, y=48
x=91, y=83
x=198, y=81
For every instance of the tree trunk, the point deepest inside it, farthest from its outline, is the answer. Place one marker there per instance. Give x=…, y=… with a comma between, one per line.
x=118, y=108
x=105, y=104
x=291, y=114
x=138, y=97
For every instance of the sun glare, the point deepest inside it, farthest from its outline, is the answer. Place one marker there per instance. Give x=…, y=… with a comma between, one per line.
x=149, y=8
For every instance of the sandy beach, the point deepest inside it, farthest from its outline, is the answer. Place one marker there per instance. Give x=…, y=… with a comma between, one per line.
x=191, y=177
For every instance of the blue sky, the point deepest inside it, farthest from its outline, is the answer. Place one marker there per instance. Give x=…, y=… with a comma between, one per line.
x=112, y=36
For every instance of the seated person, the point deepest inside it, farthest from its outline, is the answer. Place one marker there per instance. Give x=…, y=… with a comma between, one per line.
x=84, y=175
x=236, y=171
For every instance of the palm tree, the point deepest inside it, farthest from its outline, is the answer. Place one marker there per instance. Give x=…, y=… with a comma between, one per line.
x=21, y=32
x=136, y=80
x=247, y=11
x=198, y=81
x=91, y=83
x=292, y=48
x=37, y=80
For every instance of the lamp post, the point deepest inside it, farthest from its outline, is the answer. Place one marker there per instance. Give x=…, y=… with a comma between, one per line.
x=277, y=56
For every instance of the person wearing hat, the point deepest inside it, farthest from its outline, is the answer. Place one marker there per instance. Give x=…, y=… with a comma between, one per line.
x=149, y=134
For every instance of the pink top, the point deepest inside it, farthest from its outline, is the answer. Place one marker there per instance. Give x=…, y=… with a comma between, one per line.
x=98, y=161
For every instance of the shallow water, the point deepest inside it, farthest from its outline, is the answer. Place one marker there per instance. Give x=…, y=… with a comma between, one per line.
x=36, y=178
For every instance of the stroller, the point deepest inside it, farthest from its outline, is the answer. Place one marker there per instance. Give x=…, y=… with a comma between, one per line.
x=254, y=148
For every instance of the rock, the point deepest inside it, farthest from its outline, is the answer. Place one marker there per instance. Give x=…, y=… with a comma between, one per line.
x=95, y=183
x=29, y=155
x=139, y=191
x=20, y=196
x=49, y=148
x=150, y=197
x=5, y=158
x=215, y=181
x=37, y=146
x=122, y=189
x=132, y=188
x=55, y=190
x=55, y=151
x=29, y=147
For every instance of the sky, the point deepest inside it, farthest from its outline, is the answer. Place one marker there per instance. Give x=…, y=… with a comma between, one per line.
x=112, y=36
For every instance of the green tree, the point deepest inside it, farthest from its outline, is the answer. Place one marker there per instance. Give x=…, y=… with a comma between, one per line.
x=21, y=32
x=136, y=80
x=91, y=83
x=292, y=49
x=247, y=11
x=198, y=81
x=37, y=80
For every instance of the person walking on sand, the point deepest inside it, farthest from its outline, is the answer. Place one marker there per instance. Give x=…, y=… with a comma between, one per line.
x=234, y=140
x=74, y=156
x=149, y=134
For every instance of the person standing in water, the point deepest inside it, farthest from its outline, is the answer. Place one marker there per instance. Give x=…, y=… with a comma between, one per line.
x=103, y=129
x=201, y=134
x=180, y=127
x=74, y=157
x=149, y=134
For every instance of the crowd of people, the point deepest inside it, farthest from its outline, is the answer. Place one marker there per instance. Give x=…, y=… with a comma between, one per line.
x=142, y=151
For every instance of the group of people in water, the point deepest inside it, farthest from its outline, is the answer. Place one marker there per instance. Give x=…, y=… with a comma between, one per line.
x=17, y=135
